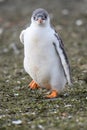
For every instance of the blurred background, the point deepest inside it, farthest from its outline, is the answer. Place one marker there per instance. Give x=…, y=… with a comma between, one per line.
x=69, y=17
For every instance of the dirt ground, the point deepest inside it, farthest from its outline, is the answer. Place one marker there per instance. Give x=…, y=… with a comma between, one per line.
x=25, y=109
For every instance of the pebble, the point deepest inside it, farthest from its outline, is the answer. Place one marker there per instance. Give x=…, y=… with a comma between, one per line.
x=69, y=117
x=79, y=22
x=16, y=94
x=41, y=127
x=65, y=11
x=1, y=116
x=68, y=105
x=66, y=94
x=5, y=50
x=18, y=82
x=17, y=122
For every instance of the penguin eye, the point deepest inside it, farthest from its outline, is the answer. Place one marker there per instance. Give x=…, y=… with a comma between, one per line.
x=34, y=18
x=45, y=17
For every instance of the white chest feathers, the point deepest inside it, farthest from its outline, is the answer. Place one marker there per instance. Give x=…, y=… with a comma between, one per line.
x=41, y=60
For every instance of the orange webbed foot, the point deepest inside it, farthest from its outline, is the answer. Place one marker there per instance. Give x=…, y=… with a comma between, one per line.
x=53, y=94
x=33, y=85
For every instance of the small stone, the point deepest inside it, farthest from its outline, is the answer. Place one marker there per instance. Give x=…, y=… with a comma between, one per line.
x=17, y=122
x=68, y=105
x=1, y=116
x=65, y=11
x=69, y=117
x=16, y=94
x=64, y=114
x=5, y=50
x=18, y=82
x=66, y=94
x=41, y=127
x=23, y=78
x=7, y=81
x=79, y=22
x=17, y=88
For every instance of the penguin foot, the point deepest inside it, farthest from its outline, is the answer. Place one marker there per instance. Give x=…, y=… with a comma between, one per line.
x=33, y=85
x=53, y=94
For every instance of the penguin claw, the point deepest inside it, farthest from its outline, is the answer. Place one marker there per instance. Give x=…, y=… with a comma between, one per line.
x=53, y=94
x=33, y=85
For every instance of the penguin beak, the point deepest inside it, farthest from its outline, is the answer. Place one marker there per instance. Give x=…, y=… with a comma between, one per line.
x=40, y=21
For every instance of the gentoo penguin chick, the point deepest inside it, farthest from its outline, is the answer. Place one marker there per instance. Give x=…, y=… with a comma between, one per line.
x=45, y=59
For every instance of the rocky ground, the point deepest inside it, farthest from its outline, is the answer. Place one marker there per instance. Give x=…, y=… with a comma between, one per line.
x=22, y=108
